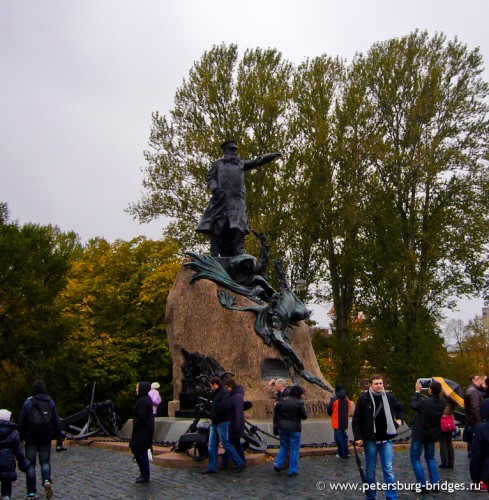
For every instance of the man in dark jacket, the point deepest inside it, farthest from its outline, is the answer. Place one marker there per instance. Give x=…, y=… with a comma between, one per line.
x=237, y=423
x=339, y=410
x=425, y=432
x=220, y=415
x=472, y=404
x=374, y=422
x=143, y=427
x=479, y=460
x=39, y=423
x=226, y=219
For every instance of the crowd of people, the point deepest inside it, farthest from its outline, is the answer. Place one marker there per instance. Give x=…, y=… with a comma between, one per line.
x=378, y=415
x=375, y=419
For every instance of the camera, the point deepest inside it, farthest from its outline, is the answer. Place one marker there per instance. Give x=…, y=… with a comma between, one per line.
x=425, y=383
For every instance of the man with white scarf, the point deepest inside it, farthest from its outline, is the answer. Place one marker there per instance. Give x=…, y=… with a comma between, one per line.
x=375, y=420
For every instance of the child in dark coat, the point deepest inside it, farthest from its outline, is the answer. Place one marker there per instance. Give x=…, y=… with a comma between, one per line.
x=10, y=450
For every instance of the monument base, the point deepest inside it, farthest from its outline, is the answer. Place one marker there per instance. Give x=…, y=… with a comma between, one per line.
x=315, y=431
x=197, y=323
x=264, y=407
x=168, y=430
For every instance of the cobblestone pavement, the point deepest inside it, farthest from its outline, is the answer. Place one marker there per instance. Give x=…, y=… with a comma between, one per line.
x=84, y=473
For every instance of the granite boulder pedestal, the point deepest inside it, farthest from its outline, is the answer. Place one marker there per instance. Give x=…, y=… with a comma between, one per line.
x=197, y=323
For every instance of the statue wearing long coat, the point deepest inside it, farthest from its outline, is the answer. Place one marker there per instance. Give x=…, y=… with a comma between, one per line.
x=226, y=182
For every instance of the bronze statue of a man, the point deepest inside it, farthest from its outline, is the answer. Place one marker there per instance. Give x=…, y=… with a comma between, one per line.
x=226, y=219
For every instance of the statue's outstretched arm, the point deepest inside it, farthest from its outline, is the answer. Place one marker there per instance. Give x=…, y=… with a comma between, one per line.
x=261, y=160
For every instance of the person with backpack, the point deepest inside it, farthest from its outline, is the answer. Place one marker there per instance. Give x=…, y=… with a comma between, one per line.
x=39, y=423
x=10, y=450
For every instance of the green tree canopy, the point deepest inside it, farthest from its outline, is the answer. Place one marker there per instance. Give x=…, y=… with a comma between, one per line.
x=428, y=225
x=115, y=301
x=34, y=261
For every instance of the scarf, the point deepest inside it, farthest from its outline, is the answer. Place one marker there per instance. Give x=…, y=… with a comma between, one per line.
x=391, y=428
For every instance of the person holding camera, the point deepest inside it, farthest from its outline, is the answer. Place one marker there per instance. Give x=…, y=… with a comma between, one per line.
x=426, y=431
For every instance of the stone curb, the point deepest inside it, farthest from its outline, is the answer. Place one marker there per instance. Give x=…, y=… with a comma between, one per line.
x=165, y=457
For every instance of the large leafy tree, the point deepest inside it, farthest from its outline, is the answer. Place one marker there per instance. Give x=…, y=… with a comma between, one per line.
x=115, y=301
x=381, y=195
x=327, y=213
x=427, y=195
x=34, y=261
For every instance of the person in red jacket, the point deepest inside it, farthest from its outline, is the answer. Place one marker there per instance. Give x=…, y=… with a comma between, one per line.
x=339, y=409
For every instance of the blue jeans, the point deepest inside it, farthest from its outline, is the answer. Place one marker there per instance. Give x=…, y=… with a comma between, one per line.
x=386, y=453
x=236, y=444
x=289, y=441
x=220, y=432
x=341, y=440
x=415, y=451
x=31, y=451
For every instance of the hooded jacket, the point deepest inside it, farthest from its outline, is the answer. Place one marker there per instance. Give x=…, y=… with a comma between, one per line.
x=10, y=450
x=143, y=422
x=26, y=434
x=220, y=410
x=236, y=429
x=479, y=458
x=339, y=410
x=288, y=414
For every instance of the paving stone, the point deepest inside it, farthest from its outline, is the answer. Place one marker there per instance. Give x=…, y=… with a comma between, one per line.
x=85, y=472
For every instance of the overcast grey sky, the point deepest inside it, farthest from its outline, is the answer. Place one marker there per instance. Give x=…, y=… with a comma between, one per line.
x=80, y=79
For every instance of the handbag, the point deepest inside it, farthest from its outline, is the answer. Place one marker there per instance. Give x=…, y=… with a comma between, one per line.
x=447, y=423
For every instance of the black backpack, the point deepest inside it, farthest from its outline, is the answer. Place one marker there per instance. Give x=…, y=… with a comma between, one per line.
x=40, y=417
